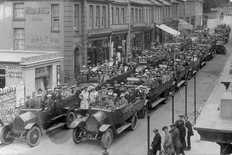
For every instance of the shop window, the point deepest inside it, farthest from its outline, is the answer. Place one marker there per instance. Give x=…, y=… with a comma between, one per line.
x=97, y=16
x=55, y=17
x=19, y=10
x=77, y=18
x=132, y=15
x=91, y=16
x=19, y=38
x=2, y=78
x=103, y=16
x=117, y=16
x=123, y=15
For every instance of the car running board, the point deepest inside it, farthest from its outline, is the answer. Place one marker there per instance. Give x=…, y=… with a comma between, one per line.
x=157, y=102
x=122, y=128
x=181, y=83
x=55, y=127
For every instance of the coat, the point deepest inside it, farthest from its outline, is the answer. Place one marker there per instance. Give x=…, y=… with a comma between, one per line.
x=156, y=143
x=176, y=138
x=190, y=129
x=182, y=132
x=168, y=145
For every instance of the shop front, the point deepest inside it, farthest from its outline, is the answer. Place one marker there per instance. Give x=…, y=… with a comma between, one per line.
x=37, y=70
x=137, y=39
x=98, y=51
x=148, y=38
x=118, y=42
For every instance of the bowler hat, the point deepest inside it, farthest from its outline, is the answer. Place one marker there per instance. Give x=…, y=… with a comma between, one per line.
x=181, y=116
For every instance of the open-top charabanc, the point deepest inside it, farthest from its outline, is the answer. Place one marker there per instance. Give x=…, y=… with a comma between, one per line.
x=37, y=118
x=109, y=115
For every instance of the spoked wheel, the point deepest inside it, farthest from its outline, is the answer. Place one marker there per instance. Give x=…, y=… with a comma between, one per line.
x=34, y=136
x=134, y=122
x=76, y=135
x=69, y=119
x=143, y=112
x=5, y=135
x=107, y=138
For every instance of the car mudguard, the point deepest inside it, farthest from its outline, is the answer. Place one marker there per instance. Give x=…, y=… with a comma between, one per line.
x=104, y=127
x=29, y=126
x=76, y=123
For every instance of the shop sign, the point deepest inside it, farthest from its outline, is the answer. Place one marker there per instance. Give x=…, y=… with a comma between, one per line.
x=12, y=71
x=40, y=57
x=37, y=10
x=40, y=72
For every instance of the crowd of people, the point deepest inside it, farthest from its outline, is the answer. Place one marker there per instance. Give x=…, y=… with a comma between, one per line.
x=176, y=141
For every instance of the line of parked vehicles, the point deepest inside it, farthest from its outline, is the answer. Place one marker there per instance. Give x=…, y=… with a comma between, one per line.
x=159, y=71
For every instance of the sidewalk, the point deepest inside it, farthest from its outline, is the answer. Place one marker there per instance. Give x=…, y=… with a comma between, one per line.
x=204, y=147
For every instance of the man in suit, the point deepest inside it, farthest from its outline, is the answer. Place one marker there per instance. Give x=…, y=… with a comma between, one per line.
x=180, y=124
x=156, y=143
x=189, y=133
x=175, y=138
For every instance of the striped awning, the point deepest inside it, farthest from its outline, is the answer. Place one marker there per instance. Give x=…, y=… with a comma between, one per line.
x=168, y=30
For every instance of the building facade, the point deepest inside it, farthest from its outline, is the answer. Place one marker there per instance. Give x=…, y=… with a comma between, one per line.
x=194, y=12
x=88, y=32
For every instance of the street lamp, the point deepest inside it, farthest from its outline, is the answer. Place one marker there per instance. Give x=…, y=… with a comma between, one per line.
x=172, y=95
x=195, y=102
x=186, y=97
x=148, y=134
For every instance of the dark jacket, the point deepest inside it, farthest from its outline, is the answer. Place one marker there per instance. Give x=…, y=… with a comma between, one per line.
x=156, y=143
x=189, y=127
x=182, y=132
x=175, y=137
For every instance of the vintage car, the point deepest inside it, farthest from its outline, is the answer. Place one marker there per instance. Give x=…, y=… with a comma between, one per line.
x=32, y=123
x=109, y=116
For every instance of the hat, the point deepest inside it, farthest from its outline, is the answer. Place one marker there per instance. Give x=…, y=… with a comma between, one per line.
x=122, y=83
x=181, y=116
x=103, y=87
x=115, y=81
x=172, y=125
x=115, y=95
x=164, y=128
x=49, y=95
x=122, y=95
x=64, y=87
x=155, y=130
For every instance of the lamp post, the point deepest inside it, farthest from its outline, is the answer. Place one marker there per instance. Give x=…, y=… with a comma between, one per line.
x=148, y=134
x=186, y=99
x=195, y=102
x=172, y=95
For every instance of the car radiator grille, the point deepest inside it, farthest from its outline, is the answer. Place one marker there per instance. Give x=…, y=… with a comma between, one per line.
x=92, y=124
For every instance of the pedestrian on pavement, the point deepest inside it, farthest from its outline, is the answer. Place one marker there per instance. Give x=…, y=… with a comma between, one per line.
x=180, y=124
x=175, y=138
x=156, y=143
x=168, y=145
x=190, y=133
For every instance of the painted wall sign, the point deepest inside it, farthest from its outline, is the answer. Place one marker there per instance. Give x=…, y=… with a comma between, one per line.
x=37, y=10
x=40, y=57
x=12, y=71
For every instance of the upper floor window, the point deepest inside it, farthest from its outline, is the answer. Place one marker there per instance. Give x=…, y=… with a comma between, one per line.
x=91, y=16
x=19, y=38
x=132, y=15
x=19, y=10
x=77, y=17
x=97, y=16
x=117, y=16
x=55, y=17
x=122, y=15
x=103, y=16
x=136, y=15
x=140, y=15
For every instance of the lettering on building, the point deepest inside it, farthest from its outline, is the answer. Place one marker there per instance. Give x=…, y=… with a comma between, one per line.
x=44, y=39
x=37, y=10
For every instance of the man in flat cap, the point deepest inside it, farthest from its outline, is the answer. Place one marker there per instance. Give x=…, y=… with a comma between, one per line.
x=175, y=138
x=156, y=143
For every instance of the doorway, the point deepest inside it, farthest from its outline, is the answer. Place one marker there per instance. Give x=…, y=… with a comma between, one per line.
x=2, y=78
x=76, y=62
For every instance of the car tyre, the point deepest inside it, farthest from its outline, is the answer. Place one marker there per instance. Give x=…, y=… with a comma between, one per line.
x=34, y=136
x=5, y=131
x=76, y=135
x=107, y=138
x=134, y=122
x=70, y=118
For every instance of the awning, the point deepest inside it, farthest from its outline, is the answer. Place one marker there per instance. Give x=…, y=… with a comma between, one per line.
x=183, y=25
x=168, y=30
